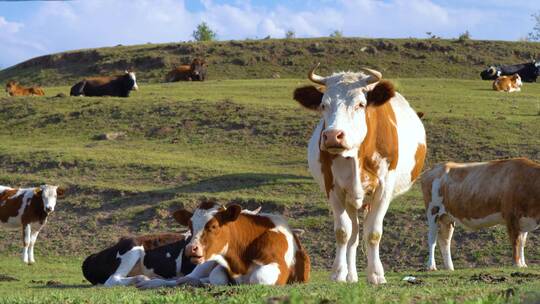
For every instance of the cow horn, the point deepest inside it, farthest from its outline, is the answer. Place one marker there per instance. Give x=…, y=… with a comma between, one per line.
x=376, y=75
x=492, y=70
x=314, y=77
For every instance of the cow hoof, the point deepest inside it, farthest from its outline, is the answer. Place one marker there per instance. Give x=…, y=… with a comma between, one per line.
x=31, y=263
x=339, y=275
x=432, y=268
x=352, y=277
x=376, y=279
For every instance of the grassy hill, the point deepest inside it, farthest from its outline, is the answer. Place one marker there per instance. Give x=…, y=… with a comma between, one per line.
x=286, y=58
x=243, y=141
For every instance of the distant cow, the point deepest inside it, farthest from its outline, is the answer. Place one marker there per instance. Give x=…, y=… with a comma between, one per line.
x=527, y=71
x=508, y=83
x=13, y=88
x=106, y=86
x=28, y=208
x=154, y=256
x=195, y=71
x=231, y=246
x=481, y=195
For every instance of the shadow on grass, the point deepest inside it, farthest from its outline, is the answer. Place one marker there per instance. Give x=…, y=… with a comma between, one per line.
x=64, y=286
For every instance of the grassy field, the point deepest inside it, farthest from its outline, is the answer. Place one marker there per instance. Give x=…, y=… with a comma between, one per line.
x=285, y=58
x=243, y=141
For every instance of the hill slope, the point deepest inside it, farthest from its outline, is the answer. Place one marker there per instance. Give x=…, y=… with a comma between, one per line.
x=286, y=58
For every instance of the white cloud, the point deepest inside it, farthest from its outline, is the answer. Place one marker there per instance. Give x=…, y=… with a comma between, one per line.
x=58, y=26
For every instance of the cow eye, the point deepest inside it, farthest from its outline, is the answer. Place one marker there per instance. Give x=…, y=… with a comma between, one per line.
x=323, y=106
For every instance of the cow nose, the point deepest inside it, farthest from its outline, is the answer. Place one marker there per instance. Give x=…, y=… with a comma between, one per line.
x=194, y=249
x=48, y=209
x=334, y=138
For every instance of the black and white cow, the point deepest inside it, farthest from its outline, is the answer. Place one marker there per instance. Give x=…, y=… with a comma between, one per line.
x=527, y=71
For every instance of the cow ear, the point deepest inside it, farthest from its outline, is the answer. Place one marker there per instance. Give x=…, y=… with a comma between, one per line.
x=309, y=96
x=230, y=214
x=182, y=216
x=60, y=192
x=381, y=93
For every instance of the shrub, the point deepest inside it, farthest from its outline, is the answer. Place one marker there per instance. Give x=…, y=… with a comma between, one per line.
x=204, y=33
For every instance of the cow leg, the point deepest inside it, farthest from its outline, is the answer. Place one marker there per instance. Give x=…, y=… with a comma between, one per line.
x=522, y=239
x=432, y=237
x=26, y=242
x=127, y=262
x=218, y=276
x=33, y=238
x=446, y=230
x=343, y=231
x=373, y=229
x=352, y=245
x=265, y=274
x=512, y=224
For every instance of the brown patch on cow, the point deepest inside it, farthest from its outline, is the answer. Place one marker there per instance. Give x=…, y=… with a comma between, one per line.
x=419, y=158
x=9, y=207
x=326, y=158
x=381, y=93
x=183, y=217
x=381, y=139
x=15, y=89
x=35, y=210
x=302, y=264
x=309, y=97
x=505, y=83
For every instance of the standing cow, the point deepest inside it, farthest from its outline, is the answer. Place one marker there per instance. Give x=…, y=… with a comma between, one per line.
x=195, y=71
x=368, y=148
x=119, y=86
x=28, y=208
x=480, y=195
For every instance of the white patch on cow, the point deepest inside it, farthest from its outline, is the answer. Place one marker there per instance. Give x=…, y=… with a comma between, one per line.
x=49, y=195
x=265, y=274
x=477, y=223
x=127, y=261
x=283, y=228
x=528, y=224
x=179, y=262
x=134, y=78
x=168, y=255
x=199, y=220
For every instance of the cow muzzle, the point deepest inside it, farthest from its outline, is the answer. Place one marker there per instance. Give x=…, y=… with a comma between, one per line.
x=195, y=253
x=333, y=141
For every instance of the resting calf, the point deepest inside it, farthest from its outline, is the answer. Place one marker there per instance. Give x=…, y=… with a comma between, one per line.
x=28, y=208
x=482, y=195
x=230, y=246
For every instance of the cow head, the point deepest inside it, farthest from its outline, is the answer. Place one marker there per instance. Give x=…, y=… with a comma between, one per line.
x=209, y=231
x=516, y=80
x=49, y=194
x=11, y=85
x=198, y=69
x=342, y=101
x=490, y=73
x=132, y=80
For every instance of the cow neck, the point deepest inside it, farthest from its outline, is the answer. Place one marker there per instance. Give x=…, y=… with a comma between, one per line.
x=380, y=143
x=240, y=234
x=326, y=158
x=35, y=211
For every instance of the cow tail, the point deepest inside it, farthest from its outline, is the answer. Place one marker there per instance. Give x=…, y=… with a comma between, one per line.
x=302, y=264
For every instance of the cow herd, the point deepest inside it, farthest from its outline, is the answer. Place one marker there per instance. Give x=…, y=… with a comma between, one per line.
x=368, y=147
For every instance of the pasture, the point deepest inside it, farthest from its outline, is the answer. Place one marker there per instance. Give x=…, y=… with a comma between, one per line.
x=245, y=141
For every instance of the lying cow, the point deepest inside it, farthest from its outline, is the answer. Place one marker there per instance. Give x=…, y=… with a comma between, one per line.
x=28, y=208
x=158, y=255
x=508, y=83
x=230, y=246
x=141, y=258
x=481, y=195
x=188, y=72
x=527, y=71
x=119, y=86
x=13, y=88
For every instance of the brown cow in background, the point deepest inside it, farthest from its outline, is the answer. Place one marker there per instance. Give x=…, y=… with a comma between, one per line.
x=13, y=88
x=195, y=71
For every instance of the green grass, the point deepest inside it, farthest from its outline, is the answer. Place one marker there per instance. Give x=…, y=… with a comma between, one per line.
x=285, y=58
x=242, y=141
x=58, y=280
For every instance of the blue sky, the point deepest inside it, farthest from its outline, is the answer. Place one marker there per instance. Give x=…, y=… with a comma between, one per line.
x=34, y=28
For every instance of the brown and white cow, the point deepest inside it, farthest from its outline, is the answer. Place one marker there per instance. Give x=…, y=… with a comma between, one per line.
x=13, y=88
x=507, y=84
x=28, y=208
x=368, y=147
x=231, y=246
x=481, y=195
